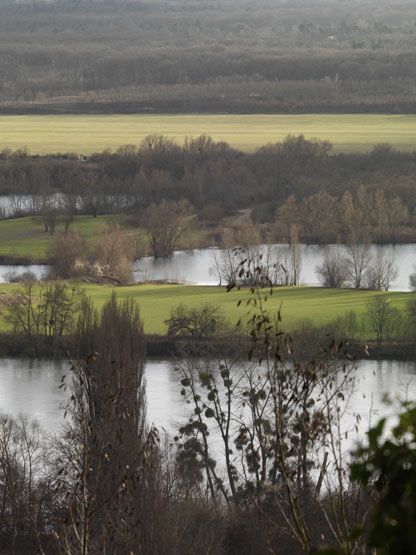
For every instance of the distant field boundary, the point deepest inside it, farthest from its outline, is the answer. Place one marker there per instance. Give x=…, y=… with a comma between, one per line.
x=215, y=106
x=85, y=134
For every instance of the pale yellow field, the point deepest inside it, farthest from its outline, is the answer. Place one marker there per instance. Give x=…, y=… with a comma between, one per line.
x=86, y=134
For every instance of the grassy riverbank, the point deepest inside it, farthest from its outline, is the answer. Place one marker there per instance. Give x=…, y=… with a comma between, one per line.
x=93, y=133
x=319, y=305
x=26, y=238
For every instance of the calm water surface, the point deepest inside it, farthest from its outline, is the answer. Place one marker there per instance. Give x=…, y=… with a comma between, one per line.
x=38, y=270
x=197, y=267
x=32, y=387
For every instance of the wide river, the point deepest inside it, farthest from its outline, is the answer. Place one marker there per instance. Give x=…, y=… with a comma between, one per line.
x=197, y=267
x=32, y=388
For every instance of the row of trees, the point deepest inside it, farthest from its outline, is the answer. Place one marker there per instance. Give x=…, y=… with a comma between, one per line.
x=362, y=216
x=276, y=265
x=356, y=266
x=218, y=180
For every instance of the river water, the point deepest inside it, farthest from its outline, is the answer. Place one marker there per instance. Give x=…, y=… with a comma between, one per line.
x=32, y=388
x=197, y=267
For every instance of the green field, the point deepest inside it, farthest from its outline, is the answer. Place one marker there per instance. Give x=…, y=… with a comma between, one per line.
x=86, y=134
x=320, y=305
x=25, y=237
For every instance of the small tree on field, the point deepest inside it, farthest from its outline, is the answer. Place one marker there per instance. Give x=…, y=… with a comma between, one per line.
x=334, y=270
x=114, y=253
x=198, y=322
x=382, y=316
x=165, y=224
x=382, y=272
x=359, y=263
x=69, y=254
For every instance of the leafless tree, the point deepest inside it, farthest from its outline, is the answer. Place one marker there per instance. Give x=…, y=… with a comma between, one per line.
x=280, y=266
x=197, y=322
x=382, y=272
x=114, y=253
x=107, y=454
x=165, y=223
x=276, y=418
x=69, y=254
x=359, y=261
x=43, y=311
x=382, y=316
x=26, y=487
x=334, y=270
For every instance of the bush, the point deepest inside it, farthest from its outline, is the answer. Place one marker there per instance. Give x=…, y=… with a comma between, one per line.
x=199, y=322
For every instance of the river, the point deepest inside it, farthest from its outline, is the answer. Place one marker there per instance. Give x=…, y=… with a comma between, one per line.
x=197, y=267
x=32, y=387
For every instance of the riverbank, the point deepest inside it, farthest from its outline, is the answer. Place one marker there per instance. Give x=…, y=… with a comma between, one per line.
x=163, y=346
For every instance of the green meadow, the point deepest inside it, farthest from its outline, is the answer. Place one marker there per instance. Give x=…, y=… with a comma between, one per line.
x=297, y=303
x=93, y=133
x=25, y=237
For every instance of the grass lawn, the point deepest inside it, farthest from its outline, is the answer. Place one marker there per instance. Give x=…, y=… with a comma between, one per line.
x=93, y=133
x=25, y=237
x=320, y=305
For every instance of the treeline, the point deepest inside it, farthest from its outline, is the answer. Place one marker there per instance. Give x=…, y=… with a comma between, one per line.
x=299, y=178
x=208, y=56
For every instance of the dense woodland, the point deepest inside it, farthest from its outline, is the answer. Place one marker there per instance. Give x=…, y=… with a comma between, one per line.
x=293, y=182
x=206, y=55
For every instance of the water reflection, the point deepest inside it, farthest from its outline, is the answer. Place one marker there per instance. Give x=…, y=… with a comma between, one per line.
x=198, y=266
x=32, y=387
x=8, y=271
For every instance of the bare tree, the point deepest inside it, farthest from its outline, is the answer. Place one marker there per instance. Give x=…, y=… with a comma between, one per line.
x=292, y=260
x=114, y=253
x=44, y=312
x=198, y=322
x=382, y=316
x=334, y=270
x=165, y=223
x=27, y=506
x=275, y=417
x=280, y=266
x=69, y=254
x=106, y=458
x=382, y=272
x=359, y=260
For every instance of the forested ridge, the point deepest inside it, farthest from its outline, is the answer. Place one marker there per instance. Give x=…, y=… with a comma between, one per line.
x=207, y=56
